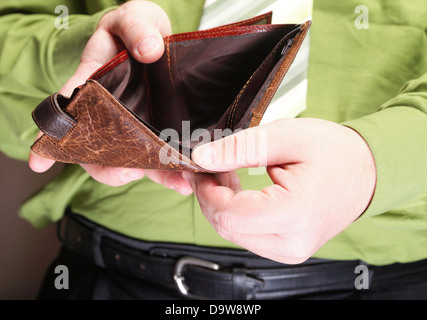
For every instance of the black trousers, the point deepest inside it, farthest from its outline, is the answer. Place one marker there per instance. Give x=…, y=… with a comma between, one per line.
x=100, y=265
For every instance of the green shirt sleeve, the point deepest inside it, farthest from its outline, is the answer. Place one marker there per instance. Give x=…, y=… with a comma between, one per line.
x=37, y=58
x=397, y=136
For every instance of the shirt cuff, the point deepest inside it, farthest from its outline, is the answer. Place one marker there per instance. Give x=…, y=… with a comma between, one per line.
x=397, y=137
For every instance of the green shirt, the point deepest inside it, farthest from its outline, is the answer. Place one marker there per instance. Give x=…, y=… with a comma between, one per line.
x=373, y=80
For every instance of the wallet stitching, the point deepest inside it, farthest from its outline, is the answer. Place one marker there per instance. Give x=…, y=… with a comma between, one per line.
x=299, y=38
x=148, y=86
x=65, y=139
x=298, y=42
x=231, y=114
x=254, y=19
x=60, y=147
x=170, y=66
x=68, y=135
x=73, y=124
x=233, y=110
x=59, y=114
x=47, y=133
x=223, y=32
x=128, y=115
x=158, y=141
x=266, y=16
x=116, y=61
x=169, y=52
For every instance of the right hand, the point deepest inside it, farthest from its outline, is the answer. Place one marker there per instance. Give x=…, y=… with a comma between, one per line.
x=138, y=26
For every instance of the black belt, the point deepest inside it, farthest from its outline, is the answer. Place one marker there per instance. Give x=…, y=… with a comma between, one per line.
x=203, y=272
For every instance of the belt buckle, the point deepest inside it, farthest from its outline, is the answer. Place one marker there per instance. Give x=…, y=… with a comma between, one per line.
x=190, y=261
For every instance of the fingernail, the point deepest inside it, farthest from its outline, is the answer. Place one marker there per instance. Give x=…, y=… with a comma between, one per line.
x=131, y=175
x=148, y=46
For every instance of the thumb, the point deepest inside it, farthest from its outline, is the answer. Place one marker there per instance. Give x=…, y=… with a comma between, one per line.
x=38, y=163
x=141, y=26
x=271, y=144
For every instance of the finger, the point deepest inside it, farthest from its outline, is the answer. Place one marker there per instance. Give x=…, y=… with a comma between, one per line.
x=141, y=25
x=272, y=246
x=283, y=141
x=138, y=25
x=230, y=180
x=249, y=212
x=101, y=48
x=38, y=163
x=113, y=177
x=202, y=185
x=171, y=180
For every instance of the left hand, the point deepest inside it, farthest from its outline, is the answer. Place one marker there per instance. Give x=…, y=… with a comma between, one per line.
x=138, y=26
x=324, y=178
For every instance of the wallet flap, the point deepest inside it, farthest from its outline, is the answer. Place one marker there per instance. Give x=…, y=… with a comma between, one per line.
x=108, y=134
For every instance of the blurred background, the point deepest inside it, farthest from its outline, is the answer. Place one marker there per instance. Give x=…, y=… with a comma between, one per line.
x=25, y=252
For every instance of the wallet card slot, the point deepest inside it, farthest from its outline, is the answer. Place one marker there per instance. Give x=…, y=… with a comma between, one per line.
x=242, y=105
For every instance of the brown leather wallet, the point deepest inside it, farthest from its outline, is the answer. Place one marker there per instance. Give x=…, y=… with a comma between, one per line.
x=135, y=115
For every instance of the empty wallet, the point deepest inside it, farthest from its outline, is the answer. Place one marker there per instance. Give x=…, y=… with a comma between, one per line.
x=151, y=116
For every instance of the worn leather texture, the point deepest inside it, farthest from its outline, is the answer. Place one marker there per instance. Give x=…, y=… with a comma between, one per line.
x=135, y=115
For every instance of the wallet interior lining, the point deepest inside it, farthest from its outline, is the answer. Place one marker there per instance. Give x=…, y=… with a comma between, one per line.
x=206, y=77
